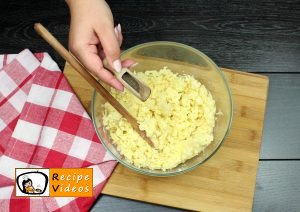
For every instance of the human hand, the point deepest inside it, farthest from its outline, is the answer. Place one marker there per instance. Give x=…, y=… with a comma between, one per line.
x=92, y=38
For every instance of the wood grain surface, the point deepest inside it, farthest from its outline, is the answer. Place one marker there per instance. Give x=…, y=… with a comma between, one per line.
x=277, y=187
x=281, y=139
x=257, y=36
x=227, y=179
x=111, y=203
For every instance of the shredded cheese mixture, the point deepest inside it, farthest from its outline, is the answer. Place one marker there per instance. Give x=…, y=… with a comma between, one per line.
x=179, y=117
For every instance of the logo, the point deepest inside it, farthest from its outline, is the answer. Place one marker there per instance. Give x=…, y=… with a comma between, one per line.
x=32, y=182
x=54, y=182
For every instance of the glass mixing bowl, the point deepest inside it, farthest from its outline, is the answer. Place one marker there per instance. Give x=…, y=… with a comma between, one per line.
x=180, y=59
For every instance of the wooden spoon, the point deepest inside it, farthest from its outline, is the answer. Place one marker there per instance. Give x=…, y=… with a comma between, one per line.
x=74, y=62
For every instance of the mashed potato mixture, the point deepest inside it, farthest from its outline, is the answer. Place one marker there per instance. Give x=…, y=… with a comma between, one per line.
x=179, y=117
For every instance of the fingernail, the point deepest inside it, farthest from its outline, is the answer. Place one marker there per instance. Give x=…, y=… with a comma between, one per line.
x=119, y=28
x=117, y=85
x=117, y=65
x=133, y=65
x=120, y=88
x=116, y=31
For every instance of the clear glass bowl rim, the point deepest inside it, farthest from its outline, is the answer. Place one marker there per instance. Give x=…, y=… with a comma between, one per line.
x=162, y=174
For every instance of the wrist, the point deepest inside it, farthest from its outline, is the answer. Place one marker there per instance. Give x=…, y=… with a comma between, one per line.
x=72, y=3
x=69, y=2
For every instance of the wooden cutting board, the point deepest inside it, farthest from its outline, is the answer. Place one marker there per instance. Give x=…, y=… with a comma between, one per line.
x=226, y=182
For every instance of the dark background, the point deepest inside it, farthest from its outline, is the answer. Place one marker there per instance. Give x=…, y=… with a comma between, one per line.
x=254, y=36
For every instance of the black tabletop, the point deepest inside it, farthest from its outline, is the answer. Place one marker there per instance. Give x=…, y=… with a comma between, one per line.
x=253, y=36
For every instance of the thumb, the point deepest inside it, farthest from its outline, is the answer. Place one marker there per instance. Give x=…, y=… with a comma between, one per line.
x=111, y=47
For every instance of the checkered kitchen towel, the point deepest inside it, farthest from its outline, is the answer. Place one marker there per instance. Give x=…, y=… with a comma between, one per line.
x=43, y=124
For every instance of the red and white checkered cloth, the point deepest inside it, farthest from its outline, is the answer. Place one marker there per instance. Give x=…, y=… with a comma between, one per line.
x=43, y=124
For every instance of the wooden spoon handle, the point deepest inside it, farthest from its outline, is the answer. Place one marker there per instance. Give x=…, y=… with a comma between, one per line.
x=73, y=61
